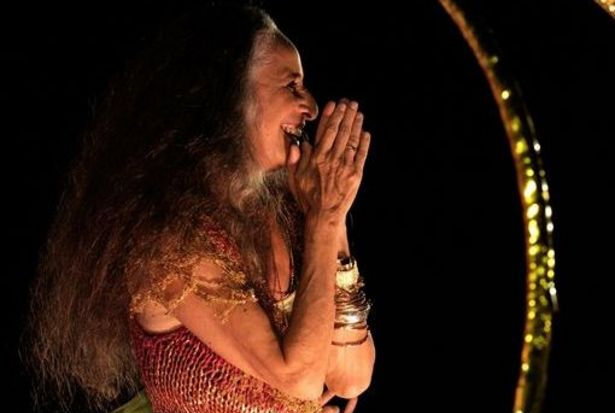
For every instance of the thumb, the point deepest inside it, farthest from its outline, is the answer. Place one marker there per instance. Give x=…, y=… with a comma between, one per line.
x=294, y=153
x=291, y=165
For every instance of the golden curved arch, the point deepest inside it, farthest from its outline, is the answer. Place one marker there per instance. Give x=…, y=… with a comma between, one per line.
x=608, y=6
x=541, y=295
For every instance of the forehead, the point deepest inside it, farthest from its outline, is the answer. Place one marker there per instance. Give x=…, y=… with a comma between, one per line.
x=280, y=60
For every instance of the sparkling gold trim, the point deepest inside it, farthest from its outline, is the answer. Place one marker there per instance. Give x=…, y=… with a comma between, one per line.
x=541, y=297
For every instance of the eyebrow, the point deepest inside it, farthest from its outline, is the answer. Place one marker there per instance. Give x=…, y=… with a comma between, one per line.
x=289, y=73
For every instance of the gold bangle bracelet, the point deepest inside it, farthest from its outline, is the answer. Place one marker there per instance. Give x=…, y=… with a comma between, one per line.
x=352, y=343
x=347, y=274
x=350, y=326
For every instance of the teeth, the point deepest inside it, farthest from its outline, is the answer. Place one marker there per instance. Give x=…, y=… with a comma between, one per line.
x=296, y=132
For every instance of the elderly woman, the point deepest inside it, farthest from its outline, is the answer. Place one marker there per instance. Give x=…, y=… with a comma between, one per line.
x=200, y=249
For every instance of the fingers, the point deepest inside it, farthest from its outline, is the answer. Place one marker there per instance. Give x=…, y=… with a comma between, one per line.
x=354, y=140
x=339, y=131
x=330, y=131
x=351, y=405
x=362, y=151
x=326, y=173
x=324, y=119
x=344, y=130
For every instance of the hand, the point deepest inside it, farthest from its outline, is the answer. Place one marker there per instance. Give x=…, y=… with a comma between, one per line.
x=328, y=395
x=326, y=178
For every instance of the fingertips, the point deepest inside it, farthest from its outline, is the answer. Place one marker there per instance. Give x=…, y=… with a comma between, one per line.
x=327, y=112
x=329, y=108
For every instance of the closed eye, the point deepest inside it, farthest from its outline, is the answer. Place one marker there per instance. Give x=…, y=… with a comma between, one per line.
x=294, y=87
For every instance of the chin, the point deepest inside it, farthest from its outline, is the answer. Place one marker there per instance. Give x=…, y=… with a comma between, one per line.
x=277, y=168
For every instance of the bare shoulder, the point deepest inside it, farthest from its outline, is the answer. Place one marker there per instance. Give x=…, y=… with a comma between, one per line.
x=154, y=318
x=244, y=337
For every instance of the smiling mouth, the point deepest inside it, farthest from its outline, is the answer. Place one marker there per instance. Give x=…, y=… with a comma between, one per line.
x=296, y=134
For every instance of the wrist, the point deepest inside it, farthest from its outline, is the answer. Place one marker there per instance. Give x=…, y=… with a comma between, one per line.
x=343, y=249
x=320, y=221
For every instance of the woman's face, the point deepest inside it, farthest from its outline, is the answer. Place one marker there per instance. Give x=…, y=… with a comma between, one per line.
x=279, y=105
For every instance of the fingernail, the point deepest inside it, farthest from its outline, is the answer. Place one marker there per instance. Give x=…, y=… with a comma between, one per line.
x=354, y=105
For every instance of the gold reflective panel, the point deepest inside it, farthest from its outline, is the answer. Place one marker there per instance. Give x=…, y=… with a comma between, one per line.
x=608, y=6
x=541, y=298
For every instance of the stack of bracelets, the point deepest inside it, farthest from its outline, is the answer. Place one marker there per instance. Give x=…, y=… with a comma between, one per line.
x=351, y=305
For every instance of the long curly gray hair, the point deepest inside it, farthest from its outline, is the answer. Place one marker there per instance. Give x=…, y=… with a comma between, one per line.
x=165, y=148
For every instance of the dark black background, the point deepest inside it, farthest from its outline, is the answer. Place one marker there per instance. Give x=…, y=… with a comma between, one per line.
x=437, y=224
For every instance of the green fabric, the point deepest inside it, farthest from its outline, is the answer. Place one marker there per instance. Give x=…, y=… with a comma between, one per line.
x=138, y=404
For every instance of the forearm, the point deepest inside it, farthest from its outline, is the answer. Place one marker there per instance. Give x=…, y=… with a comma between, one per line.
x=310, y=332
x=350, y=368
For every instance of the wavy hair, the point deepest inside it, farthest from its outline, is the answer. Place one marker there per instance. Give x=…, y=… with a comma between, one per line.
x=165, y=148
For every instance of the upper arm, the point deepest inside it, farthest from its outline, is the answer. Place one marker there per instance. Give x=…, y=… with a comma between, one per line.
x=234, y=326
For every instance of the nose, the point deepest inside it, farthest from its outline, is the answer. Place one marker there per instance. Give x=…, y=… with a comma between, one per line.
x=309, y=107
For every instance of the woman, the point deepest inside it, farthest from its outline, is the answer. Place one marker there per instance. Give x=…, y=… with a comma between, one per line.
x=200, y=249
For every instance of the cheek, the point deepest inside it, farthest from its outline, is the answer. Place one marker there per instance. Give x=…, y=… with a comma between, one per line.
x=270, y=121
x=259, y=125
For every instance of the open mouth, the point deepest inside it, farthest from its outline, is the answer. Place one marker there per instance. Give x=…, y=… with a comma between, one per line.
x=294, y=133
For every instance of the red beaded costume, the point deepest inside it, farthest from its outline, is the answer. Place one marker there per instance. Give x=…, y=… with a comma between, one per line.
x=182, y=374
